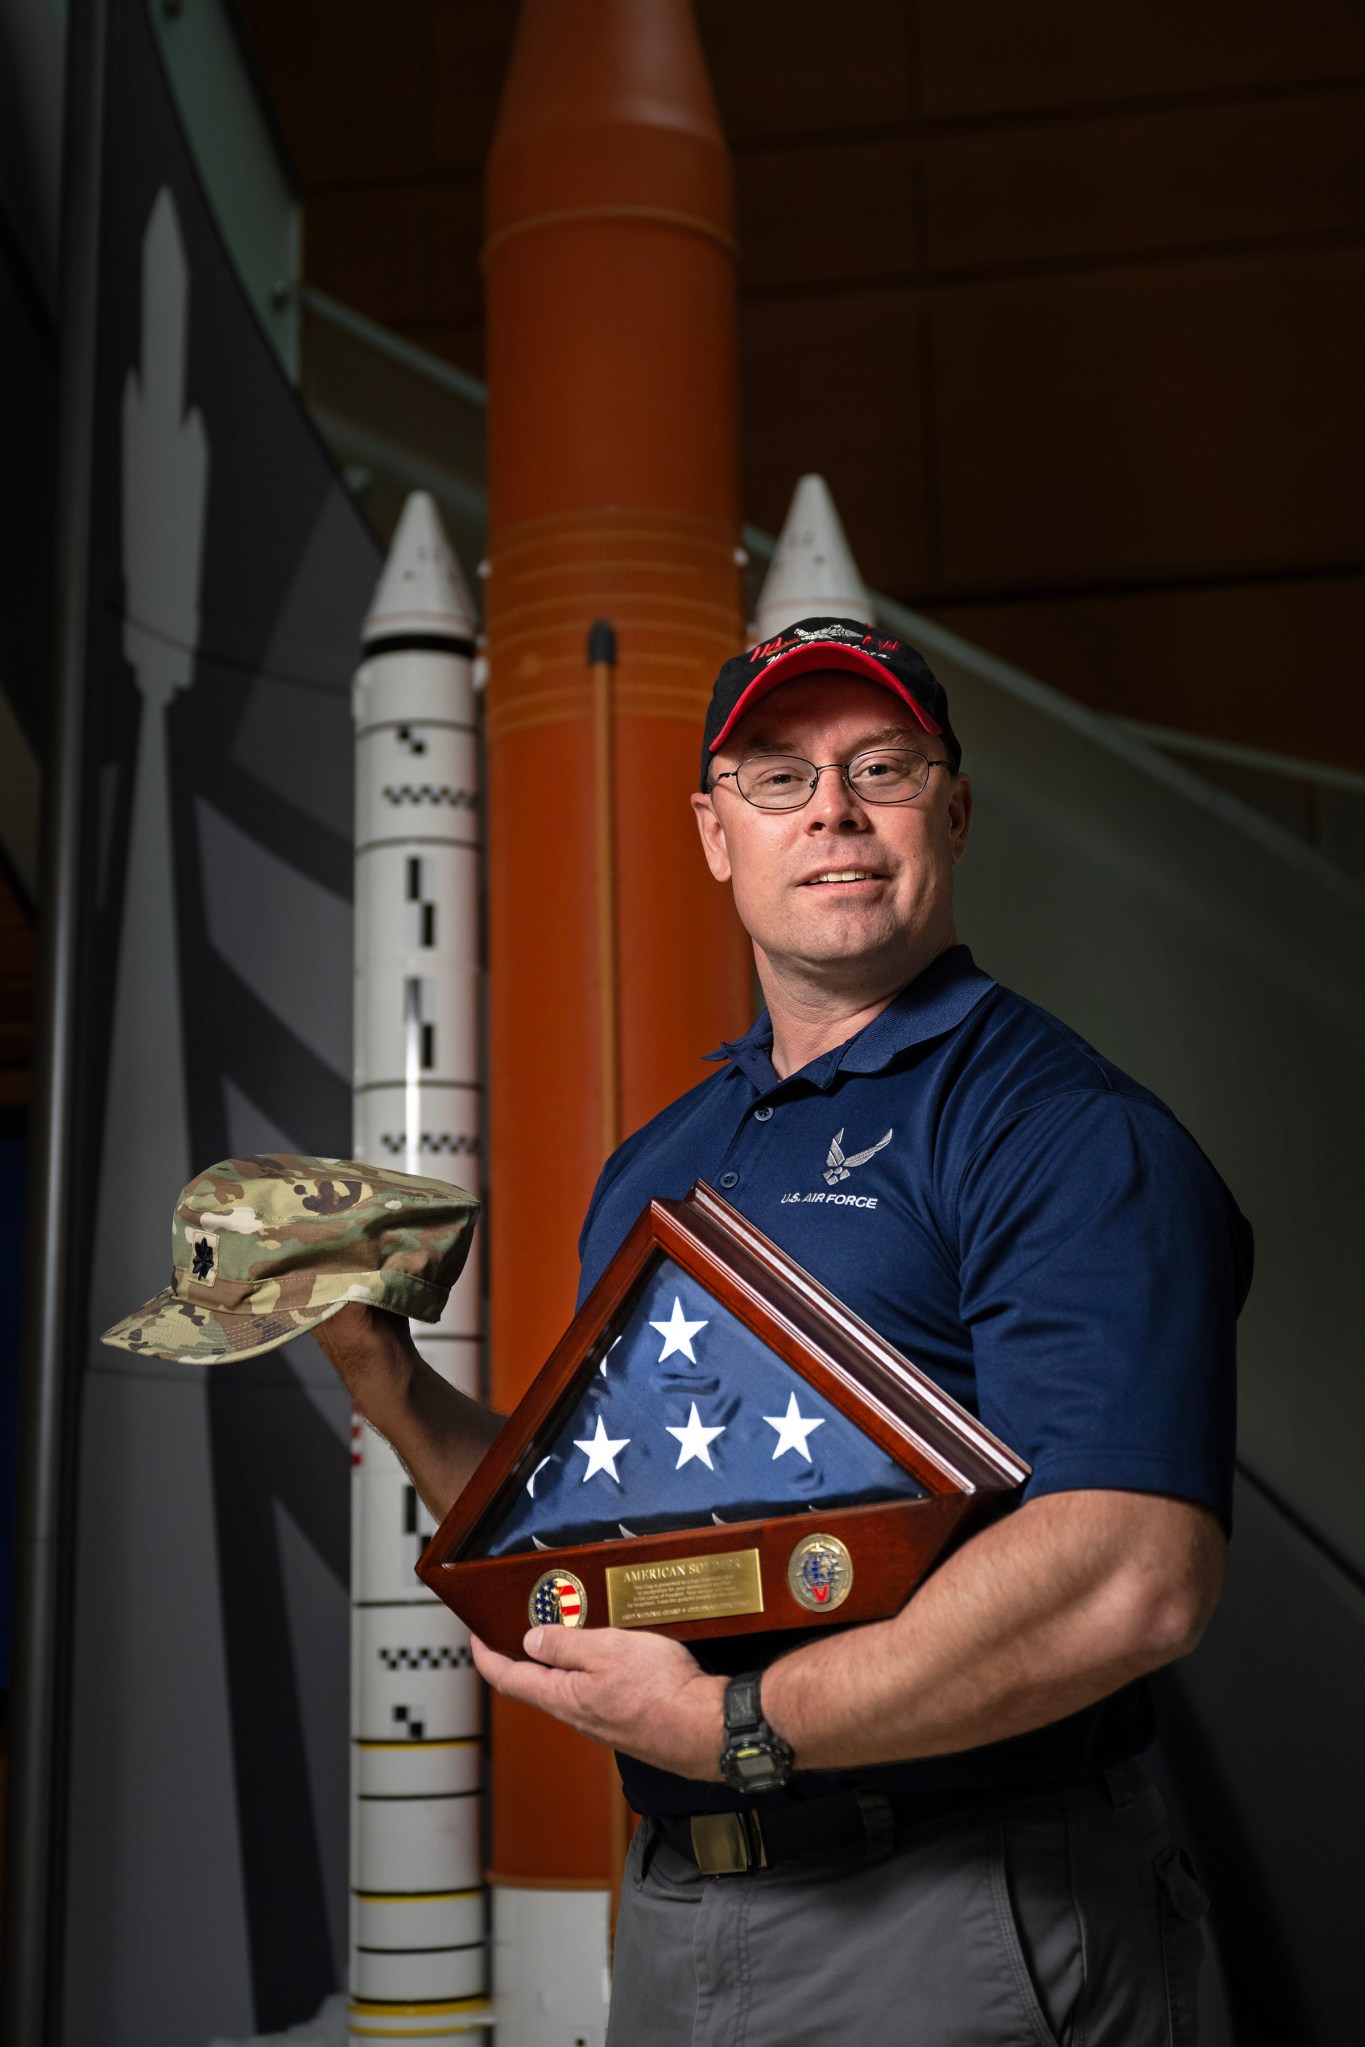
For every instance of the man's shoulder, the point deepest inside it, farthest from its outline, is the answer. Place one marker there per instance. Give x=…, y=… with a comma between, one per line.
x=1016, y=1081
x=1016, y=1054
x=1037, y=1098
x=957, y=1032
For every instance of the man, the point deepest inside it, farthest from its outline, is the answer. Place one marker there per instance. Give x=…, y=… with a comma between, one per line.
x=962, y=1848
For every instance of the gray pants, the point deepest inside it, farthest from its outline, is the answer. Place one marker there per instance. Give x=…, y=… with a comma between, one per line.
x=1057, y=1919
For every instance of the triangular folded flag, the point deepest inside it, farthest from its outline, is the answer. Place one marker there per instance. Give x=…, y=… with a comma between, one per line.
x=717, y=1445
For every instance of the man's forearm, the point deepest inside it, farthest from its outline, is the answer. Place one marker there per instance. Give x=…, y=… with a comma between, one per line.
x=1042, y=1613
x=1038, y=1615
x=439, y=1434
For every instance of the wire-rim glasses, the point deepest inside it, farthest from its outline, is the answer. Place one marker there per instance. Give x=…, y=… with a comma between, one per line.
x=784, y=781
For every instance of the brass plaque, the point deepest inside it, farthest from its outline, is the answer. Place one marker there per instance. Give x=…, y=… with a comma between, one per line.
x=684, y=1589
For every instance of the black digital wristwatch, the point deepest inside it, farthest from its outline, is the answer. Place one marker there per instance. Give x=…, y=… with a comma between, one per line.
x=754, y=1759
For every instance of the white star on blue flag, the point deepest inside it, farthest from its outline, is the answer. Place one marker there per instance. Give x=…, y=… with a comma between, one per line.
x=677, y=1333
x=694, y=1440
x=720, y=1429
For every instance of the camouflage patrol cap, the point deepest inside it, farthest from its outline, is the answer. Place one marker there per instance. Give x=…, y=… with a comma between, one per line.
x=265, y=1248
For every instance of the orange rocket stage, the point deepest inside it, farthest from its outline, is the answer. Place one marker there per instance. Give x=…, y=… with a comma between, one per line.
x=613, y=495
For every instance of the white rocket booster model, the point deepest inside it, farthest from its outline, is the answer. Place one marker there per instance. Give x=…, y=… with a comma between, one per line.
x=418, y=1940
x=813, y=573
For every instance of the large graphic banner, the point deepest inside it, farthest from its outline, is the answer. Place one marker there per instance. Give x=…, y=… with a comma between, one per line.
x=208, y=1856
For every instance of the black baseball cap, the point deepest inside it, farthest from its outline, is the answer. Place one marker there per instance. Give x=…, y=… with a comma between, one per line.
x=845, y=644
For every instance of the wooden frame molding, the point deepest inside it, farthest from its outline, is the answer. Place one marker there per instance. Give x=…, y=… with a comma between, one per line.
x=967, y=1473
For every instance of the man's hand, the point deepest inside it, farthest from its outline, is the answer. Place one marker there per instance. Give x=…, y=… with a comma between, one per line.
x=644, y=1694
x=372, y=1352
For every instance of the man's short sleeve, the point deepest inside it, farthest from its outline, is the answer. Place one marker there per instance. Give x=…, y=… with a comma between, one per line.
x=1103, y=1264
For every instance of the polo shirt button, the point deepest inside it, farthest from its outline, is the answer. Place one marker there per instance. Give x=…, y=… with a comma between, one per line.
x=729, y=1179
x=762, y=1115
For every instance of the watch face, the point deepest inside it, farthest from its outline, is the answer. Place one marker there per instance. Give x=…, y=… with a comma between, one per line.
x=754, y=1767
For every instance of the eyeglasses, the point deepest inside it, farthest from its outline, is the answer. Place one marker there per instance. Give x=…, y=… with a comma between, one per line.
x=782, y=781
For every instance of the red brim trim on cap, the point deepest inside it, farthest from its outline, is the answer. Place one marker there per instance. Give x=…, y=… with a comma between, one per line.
x=820, y=654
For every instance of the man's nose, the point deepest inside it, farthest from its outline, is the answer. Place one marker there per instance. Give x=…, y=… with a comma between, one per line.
x=833, y=806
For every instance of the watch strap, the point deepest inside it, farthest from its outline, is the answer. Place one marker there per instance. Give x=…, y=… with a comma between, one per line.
x=744, y=1703
x=755, y=1759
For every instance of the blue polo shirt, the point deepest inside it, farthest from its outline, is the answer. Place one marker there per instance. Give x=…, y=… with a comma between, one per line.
x=1025, y=1223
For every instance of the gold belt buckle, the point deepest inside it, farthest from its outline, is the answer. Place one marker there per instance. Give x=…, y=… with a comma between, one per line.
x=727, y=1843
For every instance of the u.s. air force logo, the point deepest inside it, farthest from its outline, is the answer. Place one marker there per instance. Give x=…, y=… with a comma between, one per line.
x=841, y=1165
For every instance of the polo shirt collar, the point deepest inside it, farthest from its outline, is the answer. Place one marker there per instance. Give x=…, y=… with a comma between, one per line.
x=934, y=1003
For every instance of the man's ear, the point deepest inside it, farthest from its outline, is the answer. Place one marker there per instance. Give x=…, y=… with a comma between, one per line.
x=960, y=814
x=712, y=836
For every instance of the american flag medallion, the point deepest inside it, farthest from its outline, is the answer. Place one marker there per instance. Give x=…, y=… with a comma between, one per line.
x=820, y=1573
x=558, y=1599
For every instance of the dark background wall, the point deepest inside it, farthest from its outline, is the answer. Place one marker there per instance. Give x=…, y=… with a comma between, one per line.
x=16, y=1001
x=1064, y=300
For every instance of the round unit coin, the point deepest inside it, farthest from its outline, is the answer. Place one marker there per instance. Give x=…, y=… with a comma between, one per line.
x=820, y=1573
x=558, y=1599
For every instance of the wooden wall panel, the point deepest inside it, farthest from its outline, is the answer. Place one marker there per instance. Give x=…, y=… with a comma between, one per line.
x=807, y=67
x=1139, y=425
x=843, y=215
x=979, y=57
x=406, y=255
x=366, y=248
x=1274, y=665
x=367, y=92
x=466, y=50
x=832, y=383
x=348, y=79
x=452, y=238
x=1193, y=178
x=1065, y=299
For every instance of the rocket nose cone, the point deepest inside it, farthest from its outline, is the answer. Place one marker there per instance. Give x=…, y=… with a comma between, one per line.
x=813, y=573
x=607, y=101
x=421, y=589
x=588, y=63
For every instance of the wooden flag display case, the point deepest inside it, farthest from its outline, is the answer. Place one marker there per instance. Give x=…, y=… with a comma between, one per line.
x=580, y=1515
